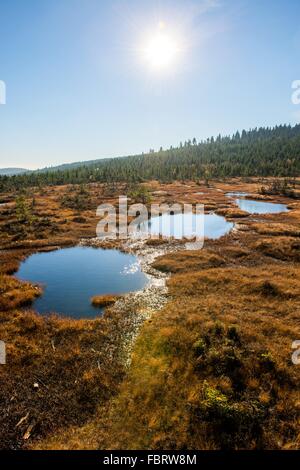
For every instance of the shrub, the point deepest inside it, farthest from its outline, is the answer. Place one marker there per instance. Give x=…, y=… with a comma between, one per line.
x=199, y=347
x=79, y=220
x=218, y=329
x=79, y=201
x=233, y=334
x=279, y=187
x=140, y=194
x=267, y=362
x=231, y=423
x=214, y=402
x=267, y=288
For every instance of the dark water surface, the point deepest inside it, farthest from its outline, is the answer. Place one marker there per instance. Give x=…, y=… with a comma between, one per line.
x=70, y=277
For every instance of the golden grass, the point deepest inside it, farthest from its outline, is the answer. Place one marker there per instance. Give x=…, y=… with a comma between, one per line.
x=277, y=229
x=14, y=293
x=213, y=369
x=187, y=261
x=282, y=248
x=232, y=213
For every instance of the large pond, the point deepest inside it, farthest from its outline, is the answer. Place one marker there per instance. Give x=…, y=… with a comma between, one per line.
x=260, y=207
x=186, y=225
x=72, y=276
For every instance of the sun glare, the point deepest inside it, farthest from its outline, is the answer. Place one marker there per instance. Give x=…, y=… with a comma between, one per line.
x=161, y=49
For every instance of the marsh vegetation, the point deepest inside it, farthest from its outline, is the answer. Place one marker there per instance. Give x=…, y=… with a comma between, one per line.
x=211, y=369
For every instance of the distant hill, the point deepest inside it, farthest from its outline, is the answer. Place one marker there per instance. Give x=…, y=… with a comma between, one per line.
x=71, y=166
x=13, y=171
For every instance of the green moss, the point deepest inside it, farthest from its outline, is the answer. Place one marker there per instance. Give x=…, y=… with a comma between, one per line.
x=214, y=402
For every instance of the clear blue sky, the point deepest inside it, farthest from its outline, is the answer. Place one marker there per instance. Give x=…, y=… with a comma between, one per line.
x=77, y=88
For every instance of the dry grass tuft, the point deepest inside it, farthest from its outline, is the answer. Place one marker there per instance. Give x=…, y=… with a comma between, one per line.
x=232, y=213
x=187, y=261
x=282, y=248
x=15, y=293
x=104, y=300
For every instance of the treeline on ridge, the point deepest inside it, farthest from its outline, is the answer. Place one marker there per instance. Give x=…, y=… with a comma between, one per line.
x=258, y=152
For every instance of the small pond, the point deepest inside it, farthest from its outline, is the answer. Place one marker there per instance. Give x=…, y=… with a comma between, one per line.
x=187, y=225
x=70, y=277
x=260, y=207
x=256, y=207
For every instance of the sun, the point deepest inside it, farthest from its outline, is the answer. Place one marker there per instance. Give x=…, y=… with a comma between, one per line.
x=161, y=49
